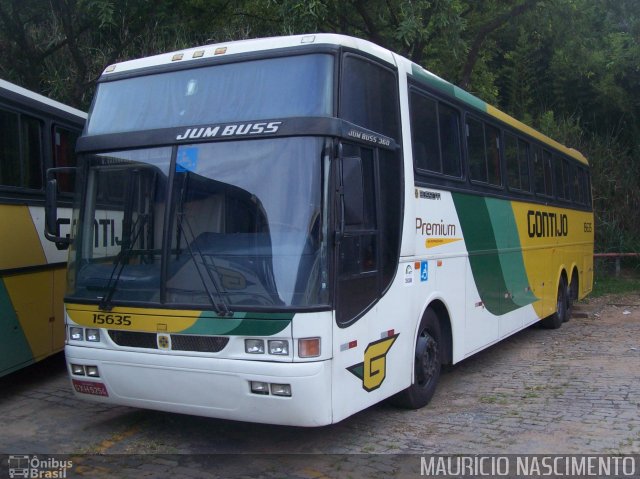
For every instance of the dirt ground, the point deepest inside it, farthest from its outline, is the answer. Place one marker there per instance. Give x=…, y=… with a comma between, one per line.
x=575, y=390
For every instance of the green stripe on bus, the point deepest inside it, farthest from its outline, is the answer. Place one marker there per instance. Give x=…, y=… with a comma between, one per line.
x=14, y=346
x=469, y=99
x=511, y=261
x=495, y=255
x=432, y=80
x=448, y=88
x=241, y=324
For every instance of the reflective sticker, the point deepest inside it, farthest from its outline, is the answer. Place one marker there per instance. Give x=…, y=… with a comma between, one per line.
x=187, y=160
x=424, y=271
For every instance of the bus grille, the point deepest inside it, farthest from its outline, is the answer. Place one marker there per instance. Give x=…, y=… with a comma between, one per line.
x=179, y=342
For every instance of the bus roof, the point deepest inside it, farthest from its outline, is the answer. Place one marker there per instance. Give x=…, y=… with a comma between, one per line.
x=197, y=54
x=23, y=92
x=225, y=49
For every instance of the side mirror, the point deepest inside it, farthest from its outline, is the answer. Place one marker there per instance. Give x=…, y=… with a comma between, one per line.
x=51, y=228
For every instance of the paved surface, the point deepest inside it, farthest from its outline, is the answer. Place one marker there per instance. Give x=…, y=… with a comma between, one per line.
x=573, y=390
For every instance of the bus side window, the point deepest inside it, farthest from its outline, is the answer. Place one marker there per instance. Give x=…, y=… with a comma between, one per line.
x=475, y=147
x=369, y=95
x=64, y=146
x=20, y=151
x=546, y=163
x=435, y=131
x=492, y=145
x=516, y=152
x=9, y=149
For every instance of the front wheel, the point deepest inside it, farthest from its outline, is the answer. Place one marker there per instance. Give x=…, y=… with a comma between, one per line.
x=427, y=365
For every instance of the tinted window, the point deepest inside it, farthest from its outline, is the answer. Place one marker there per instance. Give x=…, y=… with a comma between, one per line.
x=369, y=96
x=424, y=128
x=492, y=144
x=20, y=151
x=64, y=145
x=252, y=90
x=10, y=167
x=475, y=146
x=517, y=159
x=435, y=131
x=523, y=159
x=546, y=163
x=483, y=143
x=450, y=140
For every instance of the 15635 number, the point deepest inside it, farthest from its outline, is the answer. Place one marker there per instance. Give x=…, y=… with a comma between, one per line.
x=112, y=319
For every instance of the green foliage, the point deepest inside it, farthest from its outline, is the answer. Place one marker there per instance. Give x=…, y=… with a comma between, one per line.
x=568, y=67
x=606, y=282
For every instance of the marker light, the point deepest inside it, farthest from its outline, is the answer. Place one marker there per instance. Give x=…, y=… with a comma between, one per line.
x=77, y=369
x=309, y=347
x=92, y=371
x=93, y=335
x=279, y=347
x=254, y=346
x=258, y=387
x=75, y=333
x=281, y=390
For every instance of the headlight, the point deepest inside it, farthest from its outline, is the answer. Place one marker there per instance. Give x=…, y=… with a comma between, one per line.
x=75, y=333
x=281, y=390
x=279, y=347
x=254, y=346
x=259, y=387
x=93, y=335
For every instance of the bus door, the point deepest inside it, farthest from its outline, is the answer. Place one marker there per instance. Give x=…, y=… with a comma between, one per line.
x=367, y=315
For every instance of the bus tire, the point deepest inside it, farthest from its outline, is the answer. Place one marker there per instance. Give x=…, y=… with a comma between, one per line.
x=562, y=308
x=428, y=363
x=572, y=295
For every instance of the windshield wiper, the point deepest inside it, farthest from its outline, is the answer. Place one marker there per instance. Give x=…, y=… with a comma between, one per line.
x=220, y=306
x=138, y=226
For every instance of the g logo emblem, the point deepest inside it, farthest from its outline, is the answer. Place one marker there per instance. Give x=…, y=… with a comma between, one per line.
x=373, y=370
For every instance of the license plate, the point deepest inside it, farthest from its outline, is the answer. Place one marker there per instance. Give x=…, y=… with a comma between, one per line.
x=88, y=387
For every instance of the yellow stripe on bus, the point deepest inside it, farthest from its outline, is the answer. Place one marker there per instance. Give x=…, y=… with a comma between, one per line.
x=552, y=236
x=134, y=319
x=19, y=239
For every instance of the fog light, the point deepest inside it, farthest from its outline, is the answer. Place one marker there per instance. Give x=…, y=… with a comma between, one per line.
x=92, y=371
x=254, y=346
x=279, y=347
x=93, y=335
x=309, y=347
x=75, y=333
x=258, y=387
x=77, y=369
x=281, y=390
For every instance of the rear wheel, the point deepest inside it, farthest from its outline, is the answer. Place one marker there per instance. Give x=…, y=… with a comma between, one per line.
x=562, y=308
x=572, y=295
x=427, y=365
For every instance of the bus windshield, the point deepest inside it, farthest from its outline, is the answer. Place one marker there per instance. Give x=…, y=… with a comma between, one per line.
x=243, y=226
x=259, y=89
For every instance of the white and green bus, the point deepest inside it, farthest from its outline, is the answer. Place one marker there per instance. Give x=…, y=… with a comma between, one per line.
x=293, y=229
x=36, y=133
